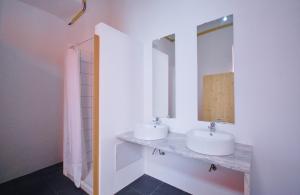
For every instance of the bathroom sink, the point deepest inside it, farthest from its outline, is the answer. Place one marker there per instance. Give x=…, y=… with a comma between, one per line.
x=216, y=143
x=151, y=131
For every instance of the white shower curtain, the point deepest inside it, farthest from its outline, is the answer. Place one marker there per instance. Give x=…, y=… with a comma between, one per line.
x=75, y=164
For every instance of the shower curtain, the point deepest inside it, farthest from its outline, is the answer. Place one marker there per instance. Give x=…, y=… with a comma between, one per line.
x=74, y=160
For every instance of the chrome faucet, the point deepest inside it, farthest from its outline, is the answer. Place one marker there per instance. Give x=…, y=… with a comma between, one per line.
x=212, y=127
x=156, y=121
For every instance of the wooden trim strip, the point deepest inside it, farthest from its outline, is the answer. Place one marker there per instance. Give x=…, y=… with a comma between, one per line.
x=170, y=39
x=96, y=130
x=204, y=32
x=214, y=29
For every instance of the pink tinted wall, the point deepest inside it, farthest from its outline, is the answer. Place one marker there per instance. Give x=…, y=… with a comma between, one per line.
x=31, y=85
x=33, y=44
x=34, y=31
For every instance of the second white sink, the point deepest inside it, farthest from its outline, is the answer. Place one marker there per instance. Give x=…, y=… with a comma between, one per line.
x=217, y=143
x=151, y=131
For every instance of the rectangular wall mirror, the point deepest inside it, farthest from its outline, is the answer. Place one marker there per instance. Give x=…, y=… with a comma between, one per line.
x=163, y=77
x=216, y=70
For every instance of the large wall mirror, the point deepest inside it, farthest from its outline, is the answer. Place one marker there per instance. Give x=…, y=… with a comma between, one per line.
x=163, y=77
x=216, y=70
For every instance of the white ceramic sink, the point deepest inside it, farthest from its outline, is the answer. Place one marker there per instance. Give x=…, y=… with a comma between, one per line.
x=151, y=131
x=217, y=143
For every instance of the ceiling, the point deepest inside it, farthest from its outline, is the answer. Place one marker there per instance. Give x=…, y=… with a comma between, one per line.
x=64, y=9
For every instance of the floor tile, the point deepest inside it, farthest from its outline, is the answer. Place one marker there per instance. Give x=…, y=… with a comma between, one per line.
x=73, y=191
x=33, y=185
x=36, y=190
x=58, y=182
x=146, y=184
x=128, y=191
x=57, y=168
x=28, y=184
x=48, y=181
x=8, y=188
x=166, y=189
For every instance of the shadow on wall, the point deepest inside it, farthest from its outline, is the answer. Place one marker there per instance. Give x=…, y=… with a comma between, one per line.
x=229, y=180
x=30, y=116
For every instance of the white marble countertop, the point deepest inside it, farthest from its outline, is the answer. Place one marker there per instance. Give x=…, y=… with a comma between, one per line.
x=240, y=160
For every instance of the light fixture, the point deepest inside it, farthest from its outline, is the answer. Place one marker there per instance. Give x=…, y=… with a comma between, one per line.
x=224, y=19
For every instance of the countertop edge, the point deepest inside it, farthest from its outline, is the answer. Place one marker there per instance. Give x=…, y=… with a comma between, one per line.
x=241, y=168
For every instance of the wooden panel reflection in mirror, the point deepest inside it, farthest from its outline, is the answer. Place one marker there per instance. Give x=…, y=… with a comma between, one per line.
x=218, y=98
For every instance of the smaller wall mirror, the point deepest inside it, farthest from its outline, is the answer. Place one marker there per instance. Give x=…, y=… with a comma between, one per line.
x=163, y=77
x=216, y=70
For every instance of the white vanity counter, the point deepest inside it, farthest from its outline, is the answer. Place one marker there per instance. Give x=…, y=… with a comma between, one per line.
x=240, y=160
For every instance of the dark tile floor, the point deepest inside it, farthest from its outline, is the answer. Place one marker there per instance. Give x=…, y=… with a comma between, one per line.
x=51, y=181
x=147, y=185
x=48, y=181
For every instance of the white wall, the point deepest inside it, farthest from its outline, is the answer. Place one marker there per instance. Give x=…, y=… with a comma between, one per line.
x=121, y=106
x=266, y=93
x=31, y=50
x=214, y=55
x=267, y=96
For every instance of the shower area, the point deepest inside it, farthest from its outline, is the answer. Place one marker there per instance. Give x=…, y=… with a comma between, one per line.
x=78, y=114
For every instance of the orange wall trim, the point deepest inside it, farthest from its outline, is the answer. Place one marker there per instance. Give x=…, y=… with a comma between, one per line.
x=96, y=130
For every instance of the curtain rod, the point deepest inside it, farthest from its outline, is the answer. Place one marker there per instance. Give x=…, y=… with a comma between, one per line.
x=77, y=44
x=79, y=14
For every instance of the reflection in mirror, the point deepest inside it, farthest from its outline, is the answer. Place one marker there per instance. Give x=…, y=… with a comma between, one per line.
x=215, y=70
x=163, y=86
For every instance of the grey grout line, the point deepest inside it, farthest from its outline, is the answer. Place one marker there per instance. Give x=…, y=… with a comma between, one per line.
x=156, y=188
x=136, y=190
